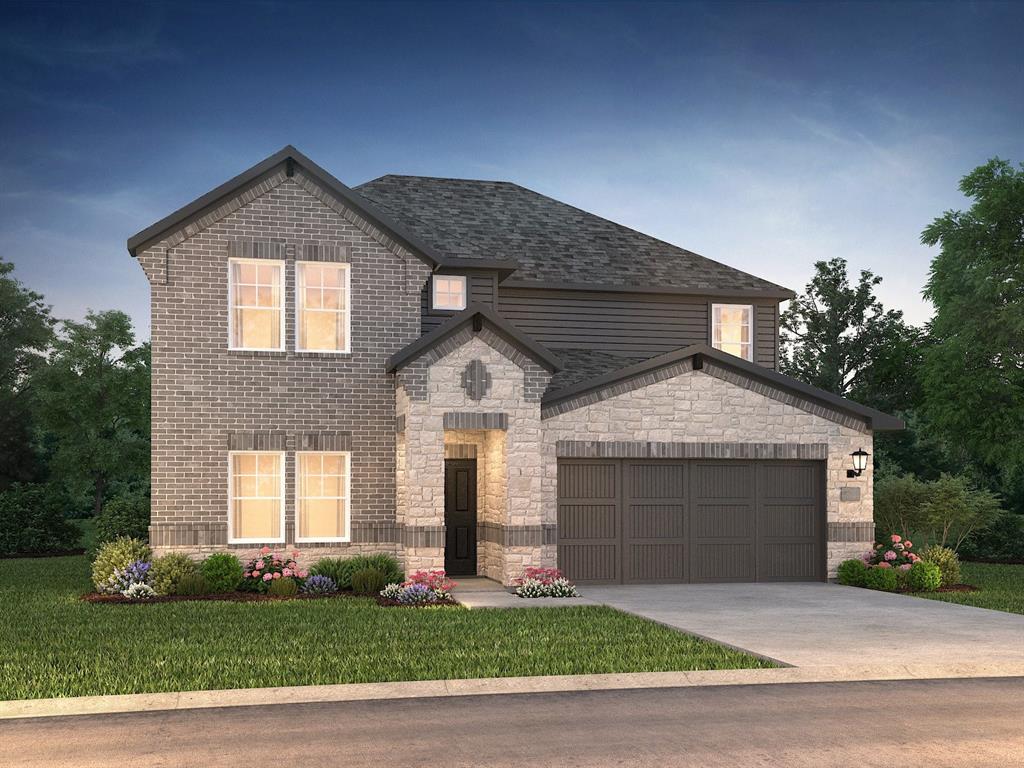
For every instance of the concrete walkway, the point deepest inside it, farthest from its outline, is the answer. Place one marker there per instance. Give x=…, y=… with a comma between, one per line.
x=818, y=625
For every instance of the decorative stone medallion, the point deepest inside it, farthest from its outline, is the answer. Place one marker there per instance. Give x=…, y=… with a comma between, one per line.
x=476, y=380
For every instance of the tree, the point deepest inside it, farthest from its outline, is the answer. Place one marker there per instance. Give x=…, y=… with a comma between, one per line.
x=94, y=398
x=954, y=510
x=840, y=338
x=26, y=330
x=973, y=374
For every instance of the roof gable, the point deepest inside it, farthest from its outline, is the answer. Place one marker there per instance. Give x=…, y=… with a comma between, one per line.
x=289, y=158
x=475, y=316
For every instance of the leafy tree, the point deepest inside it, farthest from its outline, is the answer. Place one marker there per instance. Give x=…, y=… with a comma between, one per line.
x=94, y=398
x=839, y=337
x=955, y=510
x=900, y=504
x=973, y=375
x=26, y=330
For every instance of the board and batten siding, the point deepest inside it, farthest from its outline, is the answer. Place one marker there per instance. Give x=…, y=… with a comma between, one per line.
x=630, y=324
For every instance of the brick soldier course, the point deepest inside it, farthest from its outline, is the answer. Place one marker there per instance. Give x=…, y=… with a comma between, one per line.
x=405, y=398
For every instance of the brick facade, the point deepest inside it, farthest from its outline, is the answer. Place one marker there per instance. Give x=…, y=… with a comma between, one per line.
x=207, y=398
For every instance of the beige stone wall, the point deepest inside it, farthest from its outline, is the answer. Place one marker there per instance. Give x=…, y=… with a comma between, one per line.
x=513, y=497
x=698, y=407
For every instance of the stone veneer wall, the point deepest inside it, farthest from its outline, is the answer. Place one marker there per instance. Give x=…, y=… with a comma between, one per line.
x=433, y=386
x=205, y=395
x=491, y=489
x=702, y=407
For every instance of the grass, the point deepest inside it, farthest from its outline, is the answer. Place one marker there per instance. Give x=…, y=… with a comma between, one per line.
x=53, y=644
x=1001, y=587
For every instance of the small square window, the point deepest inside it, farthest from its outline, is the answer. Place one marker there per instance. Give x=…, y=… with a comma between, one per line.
x=449, y=292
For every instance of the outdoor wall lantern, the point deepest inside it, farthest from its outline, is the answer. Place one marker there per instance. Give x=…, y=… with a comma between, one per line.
x=860, y=463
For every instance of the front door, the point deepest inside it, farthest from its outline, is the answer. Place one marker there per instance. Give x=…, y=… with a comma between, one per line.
x=460, y=517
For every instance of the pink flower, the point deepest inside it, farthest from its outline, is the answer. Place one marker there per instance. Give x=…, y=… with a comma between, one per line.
x=896, y=538
x=265, y=550
x=254, y=574
x=260, y=564
x=295, y=553
x=277, y=575
x=287, y=571
x=301, y=574
x=905, y=567
x=267, y=576
x=907, y=544
x=884, y=565
x=890, y=555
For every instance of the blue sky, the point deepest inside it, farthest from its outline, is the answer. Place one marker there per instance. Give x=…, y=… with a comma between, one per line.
x=764, y=135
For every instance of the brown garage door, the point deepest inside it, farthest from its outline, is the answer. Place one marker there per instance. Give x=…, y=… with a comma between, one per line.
x=650, y=521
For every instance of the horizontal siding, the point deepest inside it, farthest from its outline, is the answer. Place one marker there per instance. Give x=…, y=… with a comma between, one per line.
x=631, y=324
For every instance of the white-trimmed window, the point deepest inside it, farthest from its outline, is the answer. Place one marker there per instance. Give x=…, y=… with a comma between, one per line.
x=322, y=307
x=255, y=496
x=256, y=304
x=449, y=292
x=732, y=329
x=321, y=496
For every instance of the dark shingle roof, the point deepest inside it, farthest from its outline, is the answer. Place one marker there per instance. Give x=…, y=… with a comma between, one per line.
x=585, y=364
x=552, y=241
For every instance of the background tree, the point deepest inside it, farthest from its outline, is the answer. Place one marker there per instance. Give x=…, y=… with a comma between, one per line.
x=26, y=330
x=973, y=375
x=94, y=399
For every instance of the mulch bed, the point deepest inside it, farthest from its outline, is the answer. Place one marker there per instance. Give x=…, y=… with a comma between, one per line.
x=958, y=588
x=230, y=597
x=387, y=602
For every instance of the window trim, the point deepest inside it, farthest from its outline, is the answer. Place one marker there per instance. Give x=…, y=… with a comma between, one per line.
x=348, y=499
x=347, y=269
x=711, y=327
x=231, y=305
x=231, y=497
x=433, y=292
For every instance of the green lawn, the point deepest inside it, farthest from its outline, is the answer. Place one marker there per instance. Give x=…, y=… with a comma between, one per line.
x=1001, y=587
x=53, y=644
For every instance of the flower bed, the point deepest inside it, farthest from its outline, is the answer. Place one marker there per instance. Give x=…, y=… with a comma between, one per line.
x=421, y=589
x=544, y=582
x=891, y=567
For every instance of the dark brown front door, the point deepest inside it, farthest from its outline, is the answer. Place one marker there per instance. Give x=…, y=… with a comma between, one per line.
x=460, y=517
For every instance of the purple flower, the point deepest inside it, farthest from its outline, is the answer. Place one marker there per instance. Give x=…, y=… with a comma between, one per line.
x=890, y=555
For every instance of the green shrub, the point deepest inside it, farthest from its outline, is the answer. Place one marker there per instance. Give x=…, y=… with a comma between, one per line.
x=899, y=505
x=167, y=572
x=923, y=577
x=851, y=573
x=946, y=559
x=285, y=587
x=340, y=570
x=123, y=516
x=33, y=522
x=222, y=572
x=1002, y=541
x=191, y=584
x=882, y=579
x=119, y=553
x=369, y=581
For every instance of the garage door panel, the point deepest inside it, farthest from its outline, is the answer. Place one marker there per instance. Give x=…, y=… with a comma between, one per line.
x=789, y=521
x=722, y=562
x=590, y=562
x=788, y=562
x=787, y=481
x=588, y=521
x=588, y=481
x=718, y=521
x=656, y=481
x=733, y=480
x=655, y=562
x=656, y=521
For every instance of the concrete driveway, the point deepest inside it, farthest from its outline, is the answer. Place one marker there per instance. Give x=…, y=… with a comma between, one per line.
x=813, y=625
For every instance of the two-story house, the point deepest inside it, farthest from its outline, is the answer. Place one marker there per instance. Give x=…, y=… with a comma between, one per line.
x=471, y=375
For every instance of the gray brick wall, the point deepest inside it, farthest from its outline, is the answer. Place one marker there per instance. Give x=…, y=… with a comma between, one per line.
x=207, y=398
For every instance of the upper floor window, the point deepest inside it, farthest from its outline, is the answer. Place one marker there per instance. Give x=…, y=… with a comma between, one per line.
x=323, y=306
x=731, y=326
x=449, y=292
x=256, y=304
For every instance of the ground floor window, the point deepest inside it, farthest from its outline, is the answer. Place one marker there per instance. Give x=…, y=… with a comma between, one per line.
x=322, y=493
x=256, y=496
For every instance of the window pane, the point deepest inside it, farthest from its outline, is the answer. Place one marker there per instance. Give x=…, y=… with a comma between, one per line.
x=322, y=311
x=245, y=272
x=731, y=329
x=449, y=292
x=320, y=331
x=256, y=496
x=257, y=328
x=257, y=308
x=322, y=505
